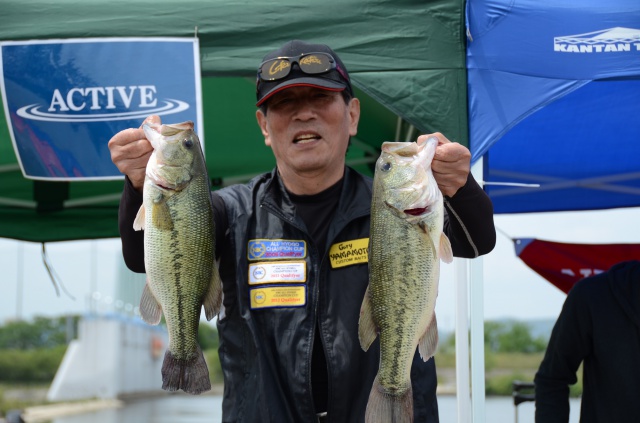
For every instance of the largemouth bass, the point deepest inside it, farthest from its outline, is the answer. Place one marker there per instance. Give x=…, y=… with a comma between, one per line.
x=179, y=251
x=405, y=247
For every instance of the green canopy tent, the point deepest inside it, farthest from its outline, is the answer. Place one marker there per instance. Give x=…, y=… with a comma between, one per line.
x=406, y=60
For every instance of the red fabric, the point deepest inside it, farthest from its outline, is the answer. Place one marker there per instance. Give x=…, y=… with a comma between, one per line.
x=565, y=264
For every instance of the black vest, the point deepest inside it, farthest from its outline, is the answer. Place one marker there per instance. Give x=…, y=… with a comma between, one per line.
x=268, y=324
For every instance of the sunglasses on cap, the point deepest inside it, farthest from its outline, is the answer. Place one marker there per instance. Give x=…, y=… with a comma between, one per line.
x=310, y=63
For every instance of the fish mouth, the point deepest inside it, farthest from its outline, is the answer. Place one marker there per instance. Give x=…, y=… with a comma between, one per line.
x=164, y=187
x=401, y=149
x=412, y=212
x=419, y=211
x=157, y=177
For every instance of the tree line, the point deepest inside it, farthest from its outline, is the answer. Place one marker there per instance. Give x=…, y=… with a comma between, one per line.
x=504, y=337
x=31, y=351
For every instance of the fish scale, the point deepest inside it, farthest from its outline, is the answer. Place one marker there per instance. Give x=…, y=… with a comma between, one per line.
x=405, y=279
x=185, y=227
x=405, y=248
x=182, y=276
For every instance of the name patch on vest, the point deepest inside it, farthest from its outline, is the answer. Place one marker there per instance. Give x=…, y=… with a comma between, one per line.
x=276, y=249
x=277, y=271
x=278, y=296
x=348, y=253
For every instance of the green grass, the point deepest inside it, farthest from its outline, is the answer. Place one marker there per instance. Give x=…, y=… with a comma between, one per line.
x=513, y=361
x=497, y=360
x=11, y=403
x=501, y=369
x=213, y=363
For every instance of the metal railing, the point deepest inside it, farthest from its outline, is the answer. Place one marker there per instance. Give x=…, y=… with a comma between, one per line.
x=522, y=392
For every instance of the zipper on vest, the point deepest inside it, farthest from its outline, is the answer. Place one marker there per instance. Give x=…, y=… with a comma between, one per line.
x=291, y=221
x=284, y=217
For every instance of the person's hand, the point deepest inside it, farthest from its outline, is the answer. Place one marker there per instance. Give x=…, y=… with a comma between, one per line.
x=130, y=152
x=451, y=164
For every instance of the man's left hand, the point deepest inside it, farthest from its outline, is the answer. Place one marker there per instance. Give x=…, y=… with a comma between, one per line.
x=451, y=164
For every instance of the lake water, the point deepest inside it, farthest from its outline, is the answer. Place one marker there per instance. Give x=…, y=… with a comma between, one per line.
x=207, y=409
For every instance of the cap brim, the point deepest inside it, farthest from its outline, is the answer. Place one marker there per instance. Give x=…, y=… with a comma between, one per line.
x=304, y=82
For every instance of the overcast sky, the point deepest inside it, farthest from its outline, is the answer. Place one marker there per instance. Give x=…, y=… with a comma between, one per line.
x=89, y=270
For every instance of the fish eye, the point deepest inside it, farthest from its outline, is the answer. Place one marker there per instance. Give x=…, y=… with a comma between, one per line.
x=187, y=142
x=385, y=167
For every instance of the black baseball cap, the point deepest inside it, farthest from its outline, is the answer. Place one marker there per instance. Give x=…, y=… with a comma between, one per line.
x=335, y=79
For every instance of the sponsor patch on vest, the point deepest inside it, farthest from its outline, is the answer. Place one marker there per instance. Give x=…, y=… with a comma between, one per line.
x=278, y=296
x=277, y=271
x=275, y=249
x=348, y=253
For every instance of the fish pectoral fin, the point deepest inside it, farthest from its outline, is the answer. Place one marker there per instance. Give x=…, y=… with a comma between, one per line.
x=139, y=223
x=150, y=309
x=367, y=329
x=445, y=253
x=161, y=216
x=213, y=297
x=429, y=340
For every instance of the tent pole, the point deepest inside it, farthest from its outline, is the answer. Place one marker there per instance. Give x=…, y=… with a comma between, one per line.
x=398, y=128
x=476, y=308
x=477, y=341
x=20, y=280
x=462, y=341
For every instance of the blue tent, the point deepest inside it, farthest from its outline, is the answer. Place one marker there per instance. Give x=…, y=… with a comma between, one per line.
x=554, y=102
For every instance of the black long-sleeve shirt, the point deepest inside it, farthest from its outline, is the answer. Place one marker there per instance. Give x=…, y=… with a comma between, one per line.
x=332, y=368
x=599, y=325
x=468, y=223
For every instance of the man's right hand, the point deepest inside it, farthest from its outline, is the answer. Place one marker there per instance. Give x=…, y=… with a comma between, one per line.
x=130, y=152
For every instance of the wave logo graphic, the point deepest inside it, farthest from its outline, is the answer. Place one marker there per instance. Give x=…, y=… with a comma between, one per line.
x=98, y=104
x=605, y=41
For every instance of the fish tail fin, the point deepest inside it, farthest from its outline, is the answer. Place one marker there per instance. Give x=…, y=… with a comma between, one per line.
x=386, y=408
x=192, y=375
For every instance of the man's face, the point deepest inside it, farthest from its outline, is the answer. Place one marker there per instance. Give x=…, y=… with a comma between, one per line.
x=308, y=130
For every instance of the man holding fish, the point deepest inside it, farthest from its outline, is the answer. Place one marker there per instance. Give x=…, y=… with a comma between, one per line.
x=295, y=255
